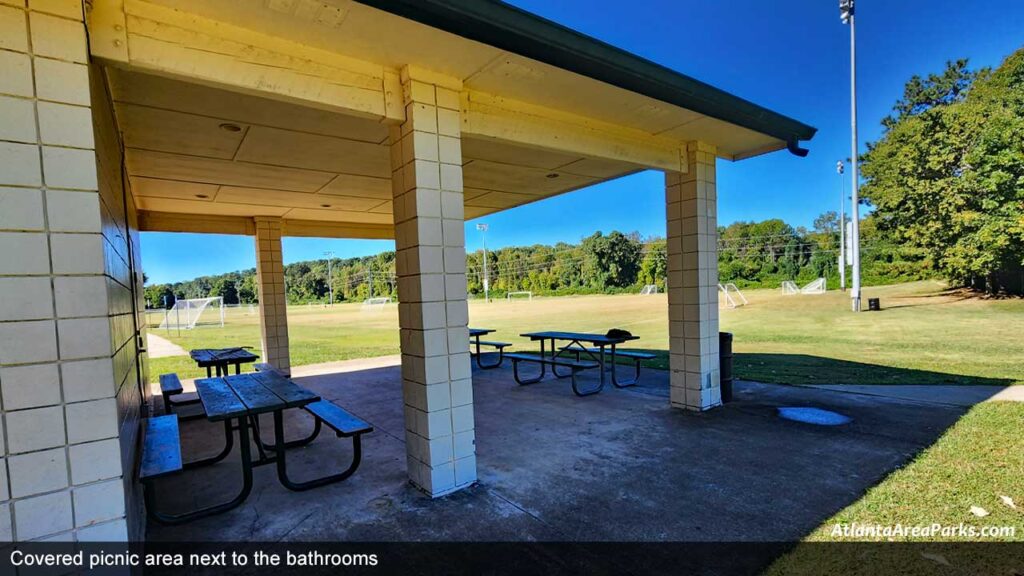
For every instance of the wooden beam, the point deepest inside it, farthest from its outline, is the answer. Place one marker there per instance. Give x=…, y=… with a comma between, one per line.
x=324, y=229
x=178, y=44
x=195, y=223
x=536, y=126
x=108, y=36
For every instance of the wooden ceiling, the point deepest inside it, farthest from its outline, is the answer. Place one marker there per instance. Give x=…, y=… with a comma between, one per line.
x=193, y=149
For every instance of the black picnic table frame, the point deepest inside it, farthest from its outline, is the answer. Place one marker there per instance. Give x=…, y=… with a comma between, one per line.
x=575, y=345
x=221, y=359
x=475, y=334
x=238, y=401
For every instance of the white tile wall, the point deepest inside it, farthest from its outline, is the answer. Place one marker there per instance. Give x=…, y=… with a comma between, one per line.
x=21, y=209
x=38, y=472
x=63, y=271
x=19, y=164
x=30, y=386
x=17, y=120
x=431, y=259
x=24, y=252
x=95, y=461
x=15, y=74
x=25, y=298
x=43, y=515
x=35, y=429
x=691, y=244
x=98, y=502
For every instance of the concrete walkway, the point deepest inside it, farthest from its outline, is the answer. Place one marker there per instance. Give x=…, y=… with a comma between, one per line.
x=160, y=347
x=621, y=465
x=935, y=394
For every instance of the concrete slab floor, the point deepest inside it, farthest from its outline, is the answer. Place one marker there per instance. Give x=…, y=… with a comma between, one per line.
x=618, y=466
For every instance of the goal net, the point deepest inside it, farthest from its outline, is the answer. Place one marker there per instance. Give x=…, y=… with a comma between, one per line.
x=376, y=303
x=789, y=288
x=649, y=289
x=194, y=312
x=519, y=295
x=732, y=294
x=815, y=287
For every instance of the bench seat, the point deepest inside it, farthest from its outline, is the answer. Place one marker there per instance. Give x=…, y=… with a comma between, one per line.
x=161, y=447
x=635, y=354
x=170, y=384
x=338, y=419
x=566, y=362
x=494, y=344
x=574, y=366
x=501, y=353
x=264, y=367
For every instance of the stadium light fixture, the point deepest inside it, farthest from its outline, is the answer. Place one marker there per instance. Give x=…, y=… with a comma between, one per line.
x=483, y=237
x=842, y=226
x=846, y=13
x=330, y=277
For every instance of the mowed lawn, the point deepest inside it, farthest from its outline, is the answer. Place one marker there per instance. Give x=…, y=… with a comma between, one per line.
x=923, y=335
x=972, y=478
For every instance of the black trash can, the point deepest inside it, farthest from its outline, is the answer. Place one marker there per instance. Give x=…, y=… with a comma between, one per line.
x=725, y=365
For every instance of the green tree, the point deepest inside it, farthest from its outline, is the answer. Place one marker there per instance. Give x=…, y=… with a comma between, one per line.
x=248, y=292
x=947, y=177
x=226, y=289
x=654, y=266
x=610, y=261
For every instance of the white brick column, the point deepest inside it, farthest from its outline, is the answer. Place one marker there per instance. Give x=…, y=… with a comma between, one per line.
x=426, y=161
x=67, y=343
x=270, y=278
x=692, y=245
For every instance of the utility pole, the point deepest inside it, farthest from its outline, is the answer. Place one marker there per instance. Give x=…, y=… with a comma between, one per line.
x=330, y=277
x=846, y=13
x=842, y=226
x=483, y=236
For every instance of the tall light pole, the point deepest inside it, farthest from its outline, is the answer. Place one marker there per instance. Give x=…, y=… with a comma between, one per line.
x=483, y=237
x=846, y=13
x=842, y=226
x=330, y=277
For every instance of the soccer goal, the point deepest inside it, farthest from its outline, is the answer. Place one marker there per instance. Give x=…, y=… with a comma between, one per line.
x=519, y=295
x=194, y=312
x=376, y=303
x=789, y=288
x=649, y=289
x=733, y=296
x=815, y=287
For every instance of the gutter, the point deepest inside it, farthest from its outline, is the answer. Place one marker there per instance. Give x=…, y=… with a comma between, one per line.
x=514, y=30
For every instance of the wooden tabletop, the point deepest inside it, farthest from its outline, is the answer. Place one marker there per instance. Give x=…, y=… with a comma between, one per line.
x=480, y=331
x=599, y=339
x=250, y=394
x=213, y=356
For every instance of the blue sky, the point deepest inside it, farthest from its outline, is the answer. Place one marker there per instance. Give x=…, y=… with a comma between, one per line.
x=791, y=56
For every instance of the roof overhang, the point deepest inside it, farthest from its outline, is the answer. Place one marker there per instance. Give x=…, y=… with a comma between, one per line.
x=509, y=28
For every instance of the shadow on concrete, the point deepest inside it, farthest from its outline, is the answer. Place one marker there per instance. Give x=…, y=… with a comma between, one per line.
x=619, y=466
x=807, y=369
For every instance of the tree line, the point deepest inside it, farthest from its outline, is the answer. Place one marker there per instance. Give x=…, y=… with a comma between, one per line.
x=750, y=254
x=947, y=176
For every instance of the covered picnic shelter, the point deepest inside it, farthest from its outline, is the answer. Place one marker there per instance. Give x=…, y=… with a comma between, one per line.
x=327, y=118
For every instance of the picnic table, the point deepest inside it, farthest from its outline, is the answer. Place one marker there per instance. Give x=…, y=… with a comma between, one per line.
x=576, y=340
x=238, y=401
x=221, y=358
x=475, y=334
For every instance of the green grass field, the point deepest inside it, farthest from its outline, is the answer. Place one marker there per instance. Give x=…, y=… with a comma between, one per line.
x=977, y=462
x=923, y=335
